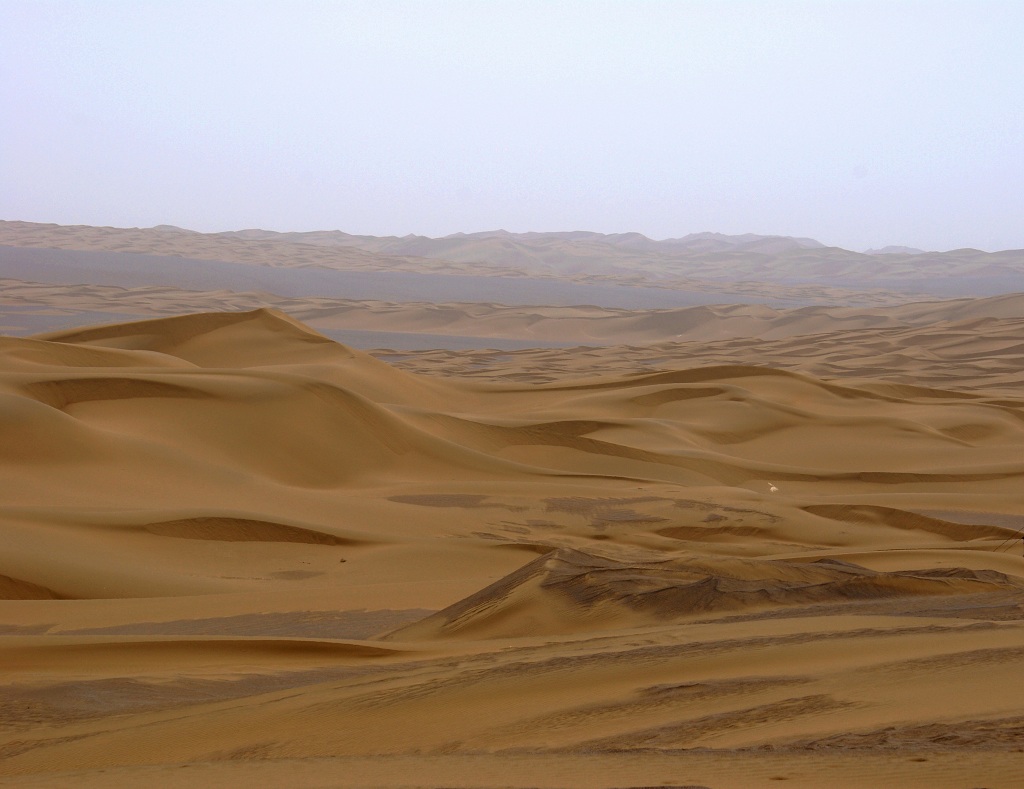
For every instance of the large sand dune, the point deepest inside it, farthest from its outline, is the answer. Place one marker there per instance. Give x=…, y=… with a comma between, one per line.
x=237, y=551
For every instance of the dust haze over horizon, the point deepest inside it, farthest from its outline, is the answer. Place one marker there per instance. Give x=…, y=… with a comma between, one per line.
x=859, y=124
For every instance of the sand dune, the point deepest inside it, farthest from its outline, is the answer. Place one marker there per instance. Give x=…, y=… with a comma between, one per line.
x=716, y=545
x=28, y=308
x=701, y=261
x=698, y=256
x=787, y=547
x=792, y=273
x=973, y=355
x=567, y=590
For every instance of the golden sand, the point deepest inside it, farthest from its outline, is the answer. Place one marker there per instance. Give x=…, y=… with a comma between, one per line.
x=236, y=552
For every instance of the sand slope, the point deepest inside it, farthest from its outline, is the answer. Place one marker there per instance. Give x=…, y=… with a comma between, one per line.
x=233, y=543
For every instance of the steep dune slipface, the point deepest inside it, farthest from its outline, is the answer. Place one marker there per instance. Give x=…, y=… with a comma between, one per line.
x=228, y=538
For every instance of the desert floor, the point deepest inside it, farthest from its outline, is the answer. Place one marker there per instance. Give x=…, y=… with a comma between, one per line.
x=722, y=545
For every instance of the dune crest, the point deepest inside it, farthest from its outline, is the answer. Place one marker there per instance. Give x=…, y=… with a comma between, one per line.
x=198, y=339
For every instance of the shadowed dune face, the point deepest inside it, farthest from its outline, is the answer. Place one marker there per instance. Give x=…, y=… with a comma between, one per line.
x=230, y=540
x=241, y=530
x=16, y=589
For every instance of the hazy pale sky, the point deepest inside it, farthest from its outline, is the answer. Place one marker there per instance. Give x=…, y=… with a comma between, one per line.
x=861, y=124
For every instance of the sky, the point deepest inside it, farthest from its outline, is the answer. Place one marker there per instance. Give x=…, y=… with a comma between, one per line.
x=860, y=124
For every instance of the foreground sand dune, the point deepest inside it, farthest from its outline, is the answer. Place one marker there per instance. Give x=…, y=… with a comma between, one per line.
x=236, y=545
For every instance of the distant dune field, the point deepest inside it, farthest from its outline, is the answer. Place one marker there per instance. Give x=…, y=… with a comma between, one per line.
x=728, y=545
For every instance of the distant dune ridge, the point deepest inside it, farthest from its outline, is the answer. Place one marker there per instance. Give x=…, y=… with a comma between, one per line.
x=702, y=261
x=725, y=545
